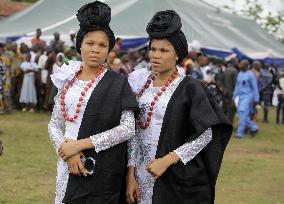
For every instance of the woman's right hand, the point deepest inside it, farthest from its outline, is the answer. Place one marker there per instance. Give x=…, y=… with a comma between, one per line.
x=75, y=165
x=132, y=188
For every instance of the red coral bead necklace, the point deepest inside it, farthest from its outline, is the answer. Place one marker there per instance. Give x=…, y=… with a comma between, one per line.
x=152, y=77
x=81, y=98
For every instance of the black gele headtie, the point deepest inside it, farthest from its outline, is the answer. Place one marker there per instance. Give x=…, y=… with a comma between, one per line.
x=94, y=13
x=164, y=24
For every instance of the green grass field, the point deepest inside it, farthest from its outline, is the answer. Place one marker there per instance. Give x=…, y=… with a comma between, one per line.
x=252, y=170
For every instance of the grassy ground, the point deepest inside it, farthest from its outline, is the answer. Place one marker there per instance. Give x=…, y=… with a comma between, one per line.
x=252, y=171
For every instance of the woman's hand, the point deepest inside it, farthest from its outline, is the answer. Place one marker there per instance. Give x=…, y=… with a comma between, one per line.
x=157, y=167
x=69, y=148
x=75, y=165
x=132, y=187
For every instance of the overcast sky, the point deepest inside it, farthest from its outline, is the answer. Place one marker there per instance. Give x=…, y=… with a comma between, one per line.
x=268, y=5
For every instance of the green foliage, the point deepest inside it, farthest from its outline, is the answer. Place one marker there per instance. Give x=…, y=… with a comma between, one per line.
x=253, y=9
x=273, y=23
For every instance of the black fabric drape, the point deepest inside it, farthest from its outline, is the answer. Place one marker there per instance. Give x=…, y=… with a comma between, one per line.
x=190, y=111
x=103, y=112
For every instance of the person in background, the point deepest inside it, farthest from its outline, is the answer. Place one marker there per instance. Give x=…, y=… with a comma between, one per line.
x=280, y=105
x=6, y=56
x=37, y=38
x=245, y=95
x=255, y=68
x=17, y=76
x=124, y=66
x=196, y=71
x=56, y=44
x=28, y=95
x=265, y=89
x=190, y=62
x=24, y=49
x=117, y=46
x=145, y=62
x=112, y=61
x=51, y=59
x=230, y=78
x=205, y=69
x=135, y=58
x=71, y=42
x=58, y=62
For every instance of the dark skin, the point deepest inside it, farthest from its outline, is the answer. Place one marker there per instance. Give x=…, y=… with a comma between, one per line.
x=56, y=36
x=235, y=63
x=38, y=33
x=244, y=65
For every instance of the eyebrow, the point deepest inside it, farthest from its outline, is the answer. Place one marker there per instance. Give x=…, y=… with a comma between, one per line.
x=96, y=41
x=159, y=48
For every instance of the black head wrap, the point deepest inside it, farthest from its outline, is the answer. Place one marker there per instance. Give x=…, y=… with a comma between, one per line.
x=94, y=16
x=167, y=25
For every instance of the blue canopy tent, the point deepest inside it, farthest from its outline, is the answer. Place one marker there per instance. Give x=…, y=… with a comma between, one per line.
x=137, y=42
x=279, y=62
x=216, y=53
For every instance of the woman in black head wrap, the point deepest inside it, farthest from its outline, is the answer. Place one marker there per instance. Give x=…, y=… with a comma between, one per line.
x=177, y=151
x=93, y=117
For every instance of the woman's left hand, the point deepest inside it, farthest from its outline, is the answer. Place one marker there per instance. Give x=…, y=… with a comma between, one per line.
x=68, y=149
x=157, y=167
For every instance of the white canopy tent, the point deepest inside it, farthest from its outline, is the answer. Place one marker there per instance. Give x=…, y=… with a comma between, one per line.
x=204, y=25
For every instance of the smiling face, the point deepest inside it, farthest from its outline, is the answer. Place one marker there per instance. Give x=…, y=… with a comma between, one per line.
x=162, y=55
x=94, y=48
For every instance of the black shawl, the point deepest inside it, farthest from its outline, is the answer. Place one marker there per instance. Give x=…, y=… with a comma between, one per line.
x=111, y=96
x=190, y=111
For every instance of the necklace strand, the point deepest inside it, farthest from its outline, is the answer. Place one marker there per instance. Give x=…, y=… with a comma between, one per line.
x=152, y=77
x=81, y=98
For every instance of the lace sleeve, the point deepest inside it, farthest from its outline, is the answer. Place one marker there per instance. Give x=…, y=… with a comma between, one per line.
x=189, y=150
x=137, y=79
x=116, y=135
x=56, y=125
x=132, y=148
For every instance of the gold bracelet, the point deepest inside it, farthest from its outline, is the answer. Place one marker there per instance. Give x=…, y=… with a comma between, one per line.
x=173, y=157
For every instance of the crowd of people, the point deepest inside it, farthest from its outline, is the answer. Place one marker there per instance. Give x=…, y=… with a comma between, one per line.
x=25, y=71
x=240, y=86
x=25, y=75
x=169, y=130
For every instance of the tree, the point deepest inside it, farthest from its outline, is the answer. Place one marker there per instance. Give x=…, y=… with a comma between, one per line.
x=273, y=23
